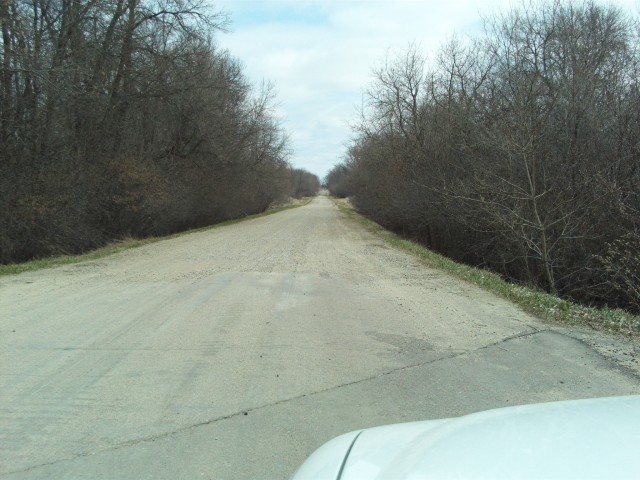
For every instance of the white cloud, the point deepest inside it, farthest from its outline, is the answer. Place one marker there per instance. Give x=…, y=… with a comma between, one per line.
x=320, y=55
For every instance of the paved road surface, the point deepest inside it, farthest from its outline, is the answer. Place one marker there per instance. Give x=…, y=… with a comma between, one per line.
x=234, y=353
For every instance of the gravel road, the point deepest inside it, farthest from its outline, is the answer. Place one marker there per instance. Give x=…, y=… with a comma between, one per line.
x=235, y=352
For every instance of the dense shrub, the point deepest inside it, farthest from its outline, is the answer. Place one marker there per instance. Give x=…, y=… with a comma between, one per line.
x=518, y=151
x=121, y=117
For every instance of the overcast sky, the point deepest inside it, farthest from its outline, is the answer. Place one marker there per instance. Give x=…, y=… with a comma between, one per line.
x=320, y=54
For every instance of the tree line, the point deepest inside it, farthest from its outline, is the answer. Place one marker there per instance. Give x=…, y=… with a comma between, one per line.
x=123, y=118
x=517, y=151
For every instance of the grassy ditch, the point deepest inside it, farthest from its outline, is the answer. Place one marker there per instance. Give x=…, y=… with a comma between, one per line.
x=536, y=302
x=128, y=243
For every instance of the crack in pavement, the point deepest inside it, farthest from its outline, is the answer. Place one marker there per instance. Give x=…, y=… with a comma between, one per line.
x=153, y=438
x=180, y=293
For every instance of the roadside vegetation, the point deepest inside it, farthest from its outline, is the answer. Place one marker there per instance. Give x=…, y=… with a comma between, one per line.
x=541, y=304
x=516, y=152
x=123, y=119
x=128, y=243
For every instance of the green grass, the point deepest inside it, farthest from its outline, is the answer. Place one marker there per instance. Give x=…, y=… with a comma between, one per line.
x=126, y=244
x=536, y=302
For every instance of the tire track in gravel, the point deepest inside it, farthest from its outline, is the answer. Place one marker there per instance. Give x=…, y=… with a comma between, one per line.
x=304, y=320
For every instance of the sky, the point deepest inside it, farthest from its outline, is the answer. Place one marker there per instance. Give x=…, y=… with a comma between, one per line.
x=320, y=55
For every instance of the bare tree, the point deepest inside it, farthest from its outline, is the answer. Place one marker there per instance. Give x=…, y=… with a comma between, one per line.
x=517, y=151
x=121, y=117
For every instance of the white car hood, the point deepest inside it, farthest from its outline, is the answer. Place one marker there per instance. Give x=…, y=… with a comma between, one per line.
x=582, y=439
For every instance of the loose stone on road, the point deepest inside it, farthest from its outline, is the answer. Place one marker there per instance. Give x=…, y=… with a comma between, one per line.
x=235, y=352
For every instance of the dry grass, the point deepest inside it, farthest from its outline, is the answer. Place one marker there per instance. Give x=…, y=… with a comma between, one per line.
x=536, y=302
x=128, y=243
